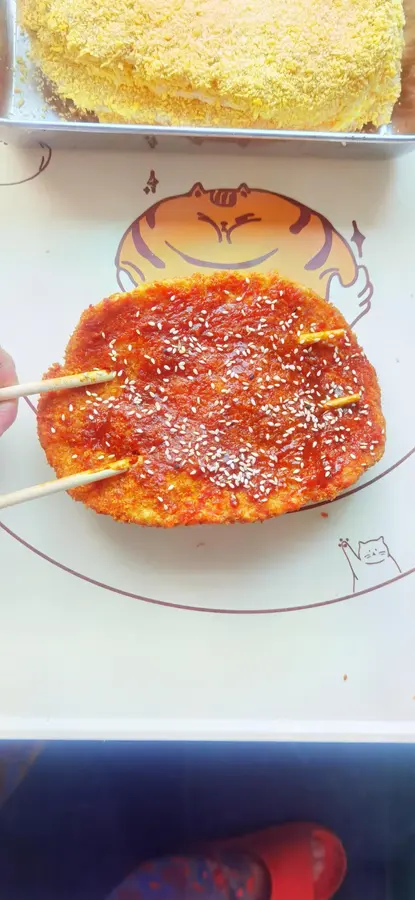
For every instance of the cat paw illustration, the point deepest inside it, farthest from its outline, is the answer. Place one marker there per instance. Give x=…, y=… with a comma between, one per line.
x=365, y=294
x=125, y=281
x=354, y=300
x=18, y=166
x=343, y=542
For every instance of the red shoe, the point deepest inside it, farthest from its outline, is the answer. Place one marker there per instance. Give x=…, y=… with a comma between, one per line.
x=285, y=851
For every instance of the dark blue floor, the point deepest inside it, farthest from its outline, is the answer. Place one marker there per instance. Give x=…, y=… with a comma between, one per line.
x=87, y=813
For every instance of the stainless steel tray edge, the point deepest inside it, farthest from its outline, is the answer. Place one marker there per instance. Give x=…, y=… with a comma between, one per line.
x=90, y=135
x=29, y=125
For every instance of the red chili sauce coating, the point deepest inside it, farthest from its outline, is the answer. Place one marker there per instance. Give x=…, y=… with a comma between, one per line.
x=211, y=380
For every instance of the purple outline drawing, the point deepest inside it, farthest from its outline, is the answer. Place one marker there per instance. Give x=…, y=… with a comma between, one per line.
x=189, y=608
x=373, y=564
x=44, y=162
x=151, y=183
x=220, y=196
x=357, y=238
x=141, y=250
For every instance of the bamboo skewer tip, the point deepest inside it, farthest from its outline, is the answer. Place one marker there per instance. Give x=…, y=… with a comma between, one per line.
x=314, y=337
x=67, y=483
x=338, y=402
x=62, y=382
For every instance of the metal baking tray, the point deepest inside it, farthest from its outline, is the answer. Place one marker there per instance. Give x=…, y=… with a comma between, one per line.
x=29, y=112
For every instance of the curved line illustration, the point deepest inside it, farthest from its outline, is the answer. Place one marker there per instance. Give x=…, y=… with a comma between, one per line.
x=215, y=610
x=123, y=268
x=185, y=606
x=366, y=303
x=360, y=487
x=142, y=248
x=365, y=310
x=357, y=238
x=323, y=254
x=30, y=404
x=44, y=162
x=247, y=264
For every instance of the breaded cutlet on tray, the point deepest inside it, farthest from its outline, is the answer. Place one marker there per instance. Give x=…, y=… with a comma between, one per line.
x=328, y=65
x=235, y=399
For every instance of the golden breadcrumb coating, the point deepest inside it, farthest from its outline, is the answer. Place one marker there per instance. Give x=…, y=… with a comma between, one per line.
x=309, y=64
x=216, y=404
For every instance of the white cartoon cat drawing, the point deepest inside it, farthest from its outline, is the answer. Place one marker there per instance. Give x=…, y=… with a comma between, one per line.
x=371, y=565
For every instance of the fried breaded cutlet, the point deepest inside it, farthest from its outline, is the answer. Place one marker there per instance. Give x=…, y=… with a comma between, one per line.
x=309, y=64
x=216, y=404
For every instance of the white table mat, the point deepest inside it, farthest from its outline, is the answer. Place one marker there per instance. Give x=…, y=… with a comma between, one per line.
x=252, y=631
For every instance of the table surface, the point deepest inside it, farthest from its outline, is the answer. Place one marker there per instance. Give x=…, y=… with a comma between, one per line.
x=247, y=632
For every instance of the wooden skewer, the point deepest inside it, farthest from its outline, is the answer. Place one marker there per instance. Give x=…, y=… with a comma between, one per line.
x=346, y=400
x=313, y=337
x=63, y=484
x=64, y=382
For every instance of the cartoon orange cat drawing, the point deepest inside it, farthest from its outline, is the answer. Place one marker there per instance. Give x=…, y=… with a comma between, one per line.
x=243, y=229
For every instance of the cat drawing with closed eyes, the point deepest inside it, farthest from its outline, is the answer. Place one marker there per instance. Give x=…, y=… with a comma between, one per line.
x=373, y=564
